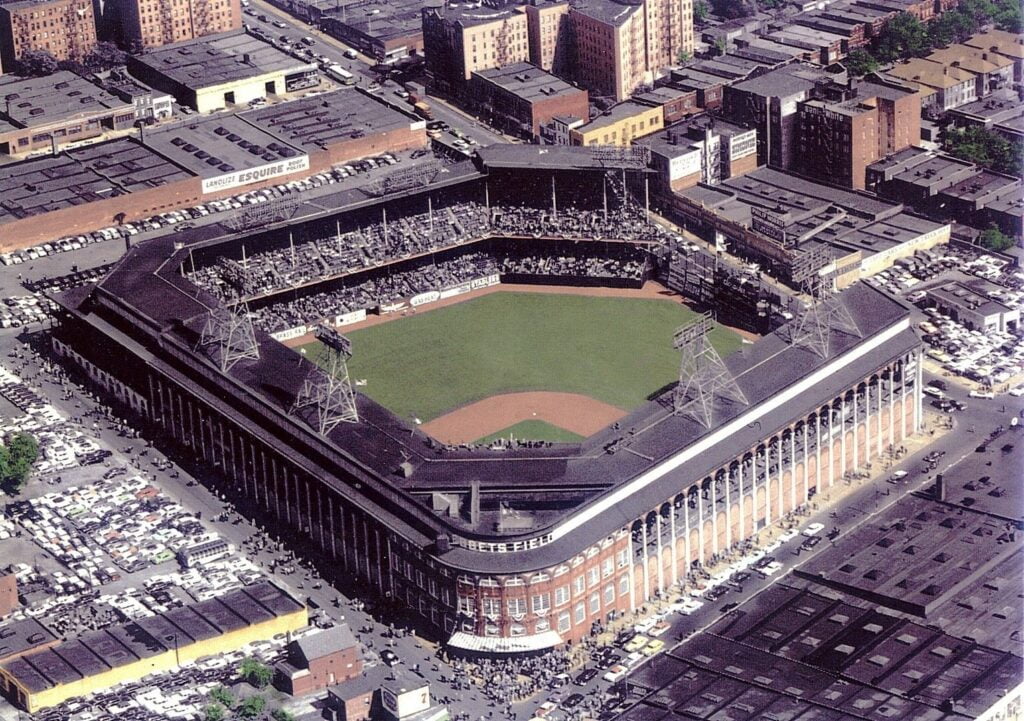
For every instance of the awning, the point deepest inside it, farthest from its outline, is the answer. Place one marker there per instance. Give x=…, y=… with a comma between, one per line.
x=503, y=644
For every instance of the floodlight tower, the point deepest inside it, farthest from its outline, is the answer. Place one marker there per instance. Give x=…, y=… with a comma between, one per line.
x=702, y=374
x=229, y=334
x=812, y=328
x=329, y=388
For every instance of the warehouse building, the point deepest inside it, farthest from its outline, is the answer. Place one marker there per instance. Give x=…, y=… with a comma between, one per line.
x=47, y=113
x=23, y=638
x=185, y=165
x=385, y=31
x=125, y=653
x=521, y=98
x=975, y=305
x=222, y=71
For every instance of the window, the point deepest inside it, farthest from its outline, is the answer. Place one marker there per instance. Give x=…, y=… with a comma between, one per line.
x=580, y=613
x=491, y=607
x=517, y=606
x=607, y=568
x=578, y=585
x=563, y=622
x=609, y=594
x=541, y=603
x=467, y=605
x=593, y=576
x=623, y=585
x=623, y=557
x=595, y=604
x=562, y=595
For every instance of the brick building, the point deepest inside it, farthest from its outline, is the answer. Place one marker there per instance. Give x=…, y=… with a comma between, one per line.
x=64, y=28
x=676, y=103
x=550, y=35
x=8, y=594
x=521, y=98
x=143, y=24
x=49, y=112
x=320, y=660
x=849, y=127
x=701, y=150
x=385, y=31
x=460, y=40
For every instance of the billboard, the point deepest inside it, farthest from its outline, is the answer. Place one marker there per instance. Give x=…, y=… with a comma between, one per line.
x=238, y=178
x=768, y=223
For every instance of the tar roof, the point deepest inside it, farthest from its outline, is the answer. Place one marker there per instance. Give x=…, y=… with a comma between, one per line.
x=120, y=645
x=377, y=18
x=31, y=102
x=339, y=116
x=983, y=184
x=617, y=113
x=924, y=168
x=219, y=144
x=607, y=11
x=528, y=81
x=784, y=82
x=87, y=174
x=218, y=59
x=18, y=637
x=470, y=14
x=326, y=642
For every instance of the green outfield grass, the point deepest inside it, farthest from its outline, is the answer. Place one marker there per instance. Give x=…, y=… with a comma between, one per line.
x=617, y=350
x=534, y=431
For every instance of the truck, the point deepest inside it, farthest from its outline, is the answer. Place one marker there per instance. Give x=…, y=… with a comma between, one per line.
x=423, y=110
x=343, y=76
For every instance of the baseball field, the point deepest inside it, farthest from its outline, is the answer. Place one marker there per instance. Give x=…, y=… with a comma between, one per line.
x=532, y=365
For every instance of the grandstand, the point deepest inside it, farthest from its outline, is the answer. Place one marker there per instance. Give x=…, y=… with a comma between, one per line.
x=505, y=551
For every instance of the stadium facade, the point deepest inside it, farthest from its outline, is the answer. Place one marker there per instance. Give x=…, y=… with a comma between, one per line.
x=502, y=551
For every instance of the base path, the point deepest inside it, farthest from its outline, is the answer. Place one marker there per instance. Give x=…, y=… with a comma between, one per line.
x=573, y=412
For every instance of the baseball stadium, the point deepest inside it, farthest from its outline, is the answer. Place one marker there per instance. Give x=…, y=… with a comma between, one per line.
x=497, y=394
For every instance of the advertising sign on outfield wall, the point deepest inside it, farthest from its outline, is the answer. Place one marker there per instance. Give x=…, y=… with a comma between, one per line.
x=348, y=318
x=289, y=333
x=487, y=280
x=457, y=290
x=393, y=307
x=239, y=178
x=430, y=296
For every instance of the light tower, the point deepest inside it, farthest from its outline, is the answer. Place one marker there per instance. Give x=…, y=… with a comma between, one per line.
x=229, y=335
x=328, y=389
x=812, y=328
x=702, y=374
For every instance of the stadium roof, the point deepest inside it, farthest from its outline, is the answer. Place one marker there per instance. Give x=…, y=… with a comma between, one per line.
x=558, y=157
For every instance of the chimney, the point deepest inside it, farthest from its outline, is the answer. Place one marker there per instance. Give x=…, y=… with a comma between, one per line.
x=940, y=488
x=442, y=543
x=247, y=58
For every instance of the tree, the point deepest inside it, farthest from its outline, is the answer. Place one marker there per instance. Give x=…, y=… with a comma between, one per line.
x=732, y=9
x=995, y=239
x=252, y=707
x=105, y=56
x=37, y=63
x=701, y=10
x=214, y=712
x=256, y=673
x=16, y=459
x=222, y=696
x=684, y=57
x=282, y=715
x=860, y=62
x=986, y=148
x=903, y=37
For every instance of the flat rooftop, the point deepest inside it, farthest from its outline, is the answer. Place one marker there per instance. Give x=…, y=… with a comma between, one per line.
x=982, y=184
x=927, y=169
x=32, y=102
x=627, y=109
x=316, y=122
x=121, y=645
x=783, y=82
x=468, y=15
x=218, y=59
x=219, y=144
x=607, y=11
x=853, y=641
x=18, y=637
x=379, y=19
x=528, y=82
x=88, y=174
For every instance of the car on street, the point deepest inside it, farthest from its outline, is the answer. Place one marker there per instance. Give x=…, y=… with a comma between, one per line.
x=789, y=535
x=585, y=676
x=814, y=529
x=810, y=543
x=655, y=646
x=573, y=701
x=616, y=673
x=635, y=644
x=389, y=657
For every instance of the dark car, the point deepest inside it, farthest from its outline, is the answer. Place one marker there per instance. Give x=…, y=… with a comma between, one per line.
x=728, y=607
x=584, y=677
x=811, y=542
x=573, y=701
x=389, y=657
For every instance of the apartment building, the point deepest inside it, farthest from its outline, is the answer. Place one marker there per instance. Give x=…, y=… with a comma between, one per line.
x=64, y=28
x=550, y=35
x=521, y=99
x=144, y=24
x=620, y=46
x=945, y=86
x=847, y=128
x=462, y=39
x=620, y=125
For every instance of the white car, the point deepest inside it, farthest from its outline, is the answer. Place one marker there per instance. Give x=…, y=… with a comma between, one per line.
x=789, y=535
x=644, y=626
x=814, y=529
x=1017, y=392
x=616, y=673
x=982, y=394
x=771, y=568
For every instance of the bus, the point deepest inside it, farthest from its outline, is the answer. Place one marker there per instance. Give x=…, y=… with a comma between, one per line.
x=340, y=74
